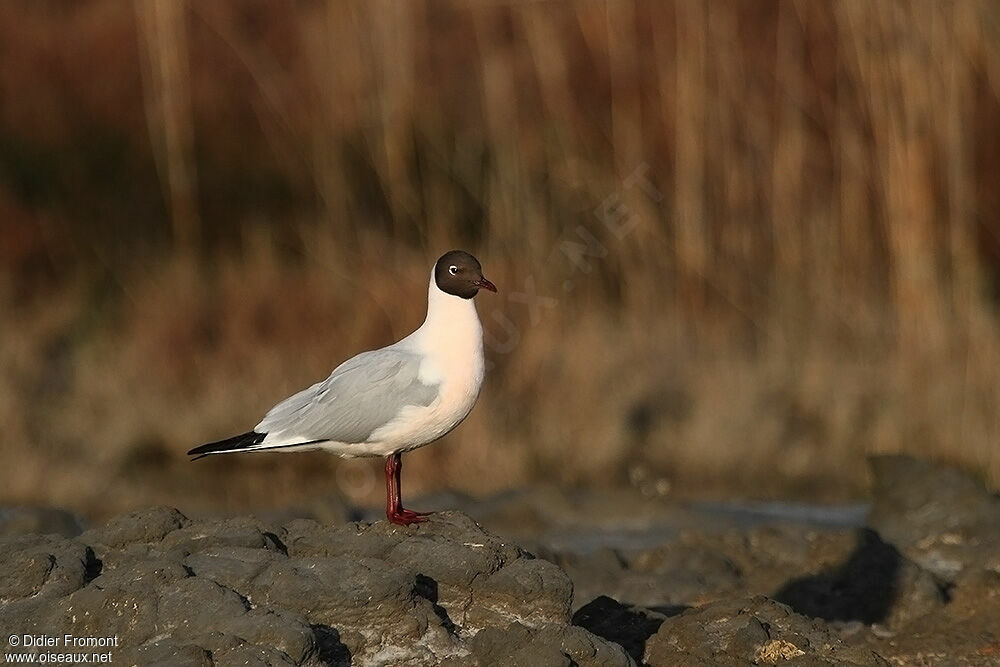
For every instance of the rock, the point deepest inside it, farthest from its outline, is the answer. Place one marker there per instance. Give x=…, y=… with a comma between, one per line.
x=940, y=517
x=966, y=631
x=44, y=566
x=242, y=590
x=876, y=584
x=285, y=632
x=530, y=591
x=242, y=532
x=225, y=649
x=340, y=590
x=749, y=631
x=974, y=591
x=239, y=591
x=141, y=527
x=558, y=646
x=627, y=626
x=838, y=574
x=196, y=604
x=610, y=572
x=233, y=567
x=164, y=652
x=308, y=538
x=697, y=567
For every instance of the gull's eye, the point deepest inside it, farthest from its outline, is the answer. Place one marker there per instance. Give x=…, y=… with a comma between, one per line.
x=452, y=269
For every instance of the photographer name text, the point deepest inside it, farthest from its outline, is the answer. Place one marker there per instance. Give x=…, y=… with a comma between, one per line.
x=62, y=641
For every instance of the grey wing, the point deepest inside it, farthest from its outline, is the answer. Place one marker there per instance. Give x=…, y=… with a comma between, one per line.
x=361, y=395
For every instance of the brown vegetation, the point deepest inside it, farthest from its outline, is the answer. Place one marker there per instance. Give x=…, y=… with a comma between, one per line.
x=739, y=245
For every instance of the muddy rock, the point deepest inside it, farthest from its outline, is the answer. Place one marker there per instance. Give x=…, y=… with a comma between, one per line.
x=239, y=591
x=626, y=625
x=141, y=527
x=756, y=631
x=533, y=592
x=940, y=517
x=874, y=584
x=43, y=567
x=518, y=645
x=842, y=575
x=664, y=585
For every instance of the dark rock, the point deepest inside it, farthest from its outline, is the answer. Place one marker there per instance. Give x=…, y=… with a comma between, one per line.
x=975, y=590
x=334, y=590
x=530, y=591
x=163, y=652
x=516, y=645
x=238, y=591
x=876, y=584
x=583, y=647
x=110, y=605
x=232, y=567
x=608, y=572
x=195, y=605
x=625, y=625
x=245, y=591
x=690, y=570
x=749, y=631
x=157, y=571
x=144, y=526
x=940, y=517
x=305, y=538
x=513, y=646
x=966, y=631
x=448, y=560
x=836, y=574
x=283, y=631
x=696, y=567
x=239, y=532
x=43, y=565
x=230, y=650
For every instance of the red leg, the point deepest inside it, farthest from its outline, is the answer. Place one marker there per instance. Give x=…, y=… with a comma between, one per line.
x=393, y=501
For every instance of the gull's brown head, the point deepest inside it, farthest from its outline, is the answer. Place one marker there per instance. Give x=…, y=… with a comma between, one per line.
x=459, y=273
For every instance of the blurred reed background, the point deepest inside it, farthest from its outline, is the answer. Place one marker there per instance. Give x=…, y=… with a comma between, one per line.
x=739, y=245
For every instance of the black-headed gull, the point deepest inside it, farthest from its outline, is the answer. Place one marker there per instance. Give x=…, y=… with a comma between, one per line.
x=388, y=401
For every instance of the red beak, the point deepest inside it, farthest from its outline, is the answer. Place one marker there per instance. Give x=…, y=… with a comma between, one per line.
x=483, y=283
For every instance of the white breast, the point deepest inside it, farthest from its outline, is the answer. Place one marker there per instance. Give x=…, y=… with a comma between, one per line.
x=451, y=342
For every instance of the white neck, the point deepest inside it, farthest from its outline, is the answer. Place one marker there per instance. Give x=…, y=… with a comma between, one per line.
x=451, y=322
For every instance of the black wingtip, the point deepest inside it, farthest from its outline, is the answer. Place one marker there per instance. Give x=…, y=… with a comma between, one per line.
x=234, y=444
